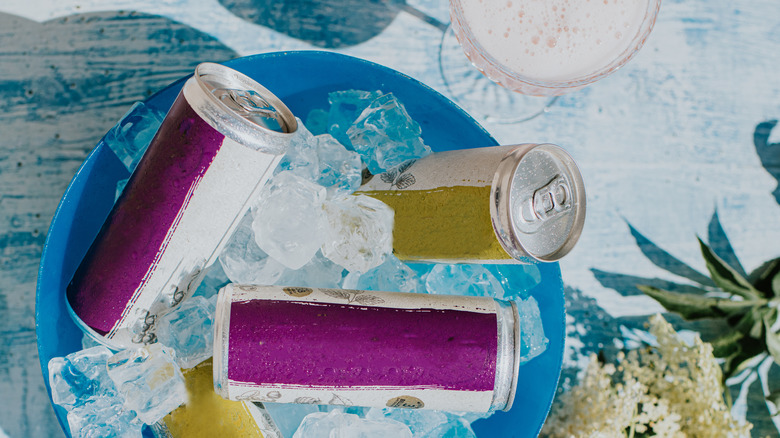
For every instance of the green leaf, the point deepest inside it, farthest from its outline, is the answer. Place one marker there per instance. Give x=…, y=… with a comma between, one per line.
x=776, y=285
x=772, y=338
x=725, y=277
x=727, y=344
x=766, y=278
x=696, y=306
x=774, y=397
x=748, y=349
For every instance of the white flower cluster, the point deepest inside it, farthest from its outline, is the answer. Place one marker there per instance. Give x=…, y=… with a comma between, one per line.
x=669, y=390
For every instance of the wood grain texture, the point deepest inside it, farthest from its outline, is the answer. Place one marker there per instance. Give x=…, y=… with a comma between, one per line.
x=683, y=134
x=63, y=84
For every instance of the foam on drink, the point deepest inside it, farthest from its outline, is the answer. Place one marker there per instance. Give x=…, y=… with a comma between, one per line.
x=554, y=40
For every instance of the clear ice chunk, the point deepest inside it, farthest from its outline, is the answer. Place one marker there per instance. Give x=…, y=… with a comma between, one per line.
x=214, y=280
x=533, y=342
x=88, y=342
x=149, y=380
x=455, y=428
x=319, y=272
x=80, y=376
x=187, y=329
x=517, y=280
x=288, y=416
x=120, y=187
x=103, y=417
x=345, y=107
x=323, y=160
x=420, y=422
x=392, y=276
x=244, y=262
x=385, y=135
x=133, y=133
x=359, y=235
x=317, y=121
x=340, y=170
x=463, y=279
x=337, y=424
x=301, y=157
x=289, y=220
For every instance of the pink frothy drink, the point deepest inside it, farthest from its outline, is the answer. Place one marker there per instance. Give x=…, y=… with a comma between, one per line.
x=216, y=148
x=550, y=47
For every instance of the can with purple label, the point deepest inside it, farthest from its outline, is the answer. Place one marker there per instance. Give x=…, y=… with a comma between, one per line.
x=217, y=146
x=349, y=347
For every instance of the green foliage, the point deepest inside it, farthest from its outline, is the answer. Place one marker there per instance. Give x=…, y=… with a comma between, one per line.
x=749, y=306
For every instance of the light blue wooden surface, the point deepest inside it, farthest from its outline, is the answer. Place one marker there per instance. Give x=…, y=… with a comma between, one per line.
x=678, y=143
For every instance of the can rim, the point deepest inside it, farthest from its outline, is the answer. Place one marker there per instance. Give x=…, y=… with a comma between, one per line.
x=516, y=372
x=501, y=213
x=89, y=331
x=229, y=122
x=221, y=338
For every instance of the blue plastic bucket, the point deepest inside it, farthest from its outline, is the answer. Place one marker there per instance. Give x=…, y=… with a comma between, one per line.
x=302, y=80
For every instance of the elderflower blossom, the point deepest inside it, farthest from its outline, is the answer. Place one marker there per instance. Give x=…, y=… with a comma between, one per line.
x=671, y=390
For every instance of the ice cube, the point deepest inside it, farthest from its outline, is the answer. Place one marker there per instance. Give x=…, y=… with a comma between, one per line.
x=463, y=279
x=289, y=221
x=340, y=170
x=392, y=275
x=214, y=280
x=455, y=428
x=360, y=232
x=103, y=417
x=319, y=272
x=87, y=342
x=133, y=133
x=301, y=157
x=149, y=380
x=244, y=262
x=337, y=424
x=420, y=422
x=385, y=135
x=317, y=121
x=345, y=107
x=80, y=376
x=187, y=329
x=288, y=416
x=533, y=342
x=120, y=187
x=517, y=280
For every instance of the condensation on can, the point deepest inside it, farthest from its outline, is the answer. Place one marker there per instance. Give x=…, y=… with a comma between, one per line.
x=363, y=348
x=502, y=204
x=217, y=146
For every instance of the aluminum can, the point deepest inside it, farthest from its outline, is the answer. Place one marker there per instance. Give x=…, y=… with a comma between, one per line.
x=350, y=347
x=217, y=146
x=503, y=204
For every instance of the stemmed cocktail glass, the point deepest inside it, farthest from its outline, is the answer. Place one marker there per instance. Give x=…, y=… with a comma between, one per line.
x=536, y=50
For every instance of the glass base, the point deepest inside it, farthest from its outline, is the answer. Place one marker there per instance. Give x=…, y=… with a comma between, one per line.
x=482, y=98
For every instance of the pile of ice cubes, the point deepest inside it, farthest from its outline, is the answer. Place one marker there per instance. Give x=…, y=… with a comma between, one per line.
x=114, y=394
x=307, y=229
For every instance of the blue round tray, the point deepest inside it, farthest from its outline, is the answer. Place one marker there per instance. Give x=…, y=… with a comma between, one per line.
x=302, y=80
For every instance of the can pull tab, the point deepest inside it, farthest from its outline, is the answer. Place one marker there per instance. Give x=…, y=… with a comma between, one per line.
x=548, y=202
x=251, y=105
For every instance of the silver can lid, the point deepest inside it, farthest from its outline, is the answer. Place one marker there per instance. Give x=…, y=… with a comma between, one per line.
x=538, y=203
x=240, y=108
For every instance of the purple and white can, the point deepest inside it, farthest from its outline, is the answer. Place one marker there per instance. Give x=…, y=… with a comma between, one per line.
x=217, y=146
x=350, y=347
